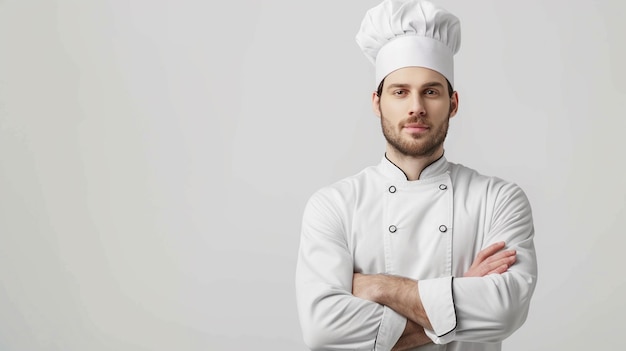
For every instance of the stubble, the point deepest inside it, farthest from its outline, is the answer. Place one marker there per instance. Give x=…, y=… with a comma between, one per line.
x=415, y=145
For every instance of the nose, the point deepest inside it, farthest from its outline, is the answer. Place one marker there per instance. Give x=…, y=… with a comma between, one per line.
x=417, y=107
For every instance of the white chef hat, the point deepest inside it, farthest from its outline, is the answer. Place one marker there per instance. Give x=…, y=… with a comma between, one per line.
x=405, y=33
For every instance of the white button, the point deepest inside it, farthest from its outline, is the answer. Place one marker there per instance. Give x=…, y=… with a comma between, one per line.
x=443, y=187
x=392, y=228
x=392, y=189
x=443, y=228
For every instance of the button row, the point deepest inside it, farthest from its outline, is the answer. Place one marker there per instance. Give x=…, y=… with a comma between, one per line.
x=392, y=189
x=393, y=228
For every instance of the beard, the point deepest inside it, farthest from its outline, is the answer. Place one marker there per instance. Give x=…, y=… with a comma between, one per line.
x=415, y=145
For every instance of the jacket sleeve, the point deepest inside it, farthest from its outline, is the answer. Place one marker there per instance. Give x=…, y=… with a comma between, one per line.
x=332, y=318
x=490, y=308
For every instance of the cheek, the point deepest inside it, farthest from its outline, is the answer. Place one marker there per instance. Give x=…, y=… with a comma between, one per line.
x=393, y=110
x=440, y=107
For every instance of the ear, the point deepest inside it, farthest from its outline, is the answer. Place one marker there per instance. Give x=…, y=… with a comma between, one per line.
x=454, y=104
x=376, y=104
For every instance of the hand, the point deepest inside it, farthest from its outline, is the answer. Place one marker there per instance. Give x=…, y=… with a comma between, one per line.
x=401, y=294
x=366, y=286
x=491, y=261
x=412, y=337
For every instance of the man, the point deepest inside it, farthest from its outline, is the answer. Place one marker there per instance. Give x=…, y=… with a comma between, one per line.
x=416, y=252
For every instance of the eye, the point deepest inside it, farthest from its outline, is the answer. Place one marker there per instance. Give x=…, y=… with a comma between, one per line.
x=432, y=92
x=399, y=92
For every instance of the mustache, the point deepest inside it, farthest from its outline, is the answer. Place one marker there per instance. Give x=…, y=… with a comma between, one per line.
x=416, y=120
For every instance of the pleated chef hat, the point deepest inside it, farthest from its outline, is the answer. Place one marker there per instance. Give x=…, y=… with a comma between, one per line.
x=405, y=33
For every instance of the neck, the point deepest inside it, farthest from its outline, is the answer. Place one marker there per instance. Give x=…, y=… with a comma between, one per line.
x=412, y=166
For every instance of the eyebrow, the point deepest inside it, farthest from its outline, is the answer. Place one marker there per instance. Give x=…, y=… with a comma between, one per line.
x=432, y=84
x=425, y=85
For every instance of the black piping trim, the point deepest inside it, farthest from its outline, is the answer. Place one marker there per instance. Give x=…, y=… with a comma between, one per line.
x=418, y=177
x=405, y=176
x=454, y=307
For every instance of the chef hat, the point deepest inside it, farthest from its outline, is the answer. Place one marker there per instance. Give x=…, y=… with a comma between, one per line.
x=404, y=33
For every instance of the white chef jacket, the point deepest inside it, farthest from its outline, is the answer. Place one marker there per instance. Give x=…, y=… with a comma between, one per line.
x=430, y=230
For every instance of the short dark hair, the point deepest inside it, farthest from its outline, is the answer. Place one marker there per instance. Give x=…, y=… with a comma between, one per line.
x=379, y=91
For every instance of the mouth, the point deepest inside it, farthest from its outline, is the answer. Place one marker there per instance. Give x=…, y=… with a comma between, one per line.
x=416, y=127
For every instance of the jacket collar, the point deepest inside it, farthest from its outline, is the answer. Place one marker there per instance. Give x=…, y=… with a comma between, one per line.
x=389, y=169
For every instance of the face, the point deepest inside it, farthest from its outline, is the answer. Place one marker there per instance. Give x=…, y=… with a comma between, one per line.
x=414, y=108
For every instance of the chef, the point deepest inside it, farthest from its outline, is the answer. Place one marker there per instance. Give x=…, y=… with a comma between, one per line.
x=415, y=252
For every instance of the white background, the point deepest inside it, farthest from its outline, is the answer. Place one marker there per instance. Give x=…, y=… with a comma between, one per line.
x=155, y=158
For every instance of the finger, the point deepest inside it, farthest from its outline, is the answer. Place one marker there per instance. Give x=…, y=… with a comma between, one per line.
x=500, y=256
x=489, y=251
x=495, y=266
x=509, y=260
x=500, y=269
x=501, y=266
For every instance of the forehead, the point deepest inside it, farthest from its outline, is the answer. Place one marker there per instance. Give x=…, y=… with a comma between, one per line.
x=414, y=76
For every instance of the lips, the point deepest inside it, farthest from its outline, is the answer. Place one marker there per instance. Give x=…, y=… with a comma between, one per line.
x=416, y=127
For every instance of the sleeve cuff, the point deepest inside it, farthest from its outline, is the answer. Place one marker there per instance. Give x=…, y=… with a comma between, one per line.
x=391, y=328
x=438, y=302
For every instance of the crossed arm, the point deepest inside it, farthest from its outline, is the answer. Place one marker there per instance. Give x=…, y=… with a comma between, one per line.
x=339, y=309
x=401, y=294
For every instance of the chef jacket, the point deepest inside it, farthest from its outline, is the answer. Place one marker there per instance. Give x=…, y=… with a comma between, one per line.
x=429, y=230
